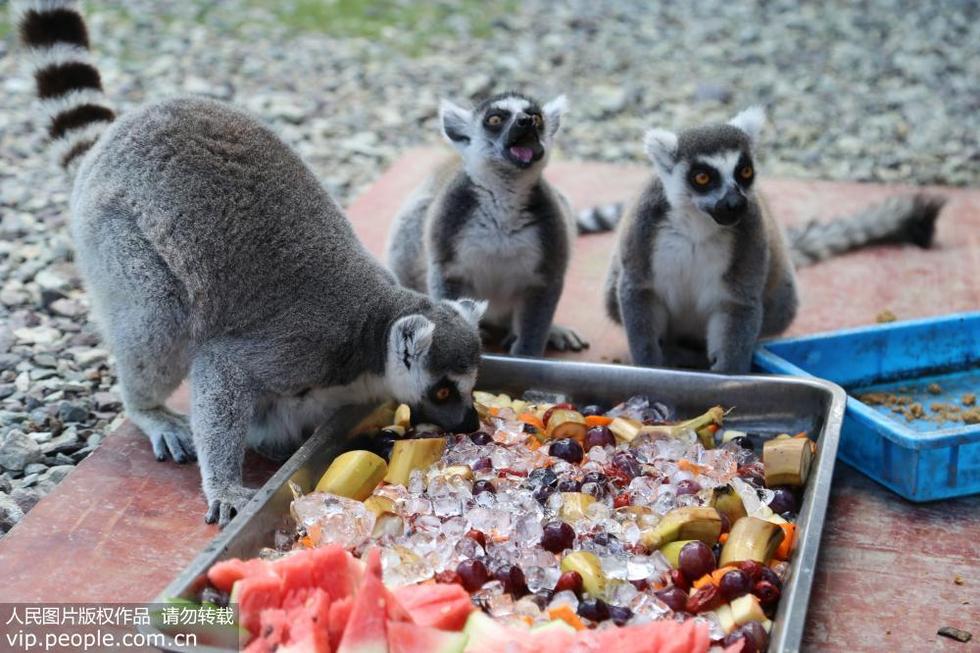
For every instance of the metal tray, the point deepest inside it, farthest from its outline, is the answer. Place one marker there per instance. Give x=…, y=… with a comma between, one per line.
x=765, y=405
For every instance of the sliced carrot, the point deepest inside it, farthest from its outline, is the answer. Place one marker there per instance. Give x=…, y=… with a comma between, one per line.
x=533, y=420
x=687, y=466
x=786, y=546
x=597, y=420
x=494, y=410
x=712, y=428
x=533, y=444
x=565, y=613
x=723, y=538
x=800, y=435
x=526, y=619
x=704, y=581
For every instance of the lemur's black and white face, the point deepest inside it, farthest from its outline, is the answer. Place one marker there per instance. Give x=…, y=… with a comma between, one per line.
x=511, y=131
x=432, y=361
x=709, y=169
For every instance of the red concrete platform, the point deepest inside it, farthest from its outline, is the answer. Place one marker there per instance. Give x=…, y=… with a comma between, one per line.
x=121, y=525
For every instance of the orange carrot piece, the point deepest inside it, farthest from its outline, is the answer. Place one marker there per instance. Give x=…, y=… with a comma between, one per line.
x=533, y=420
x=565, y=613
x=597, y=420
x=704, y=581
x=801, y=434
x=688, y=466
x=533, y=444
x=786, y=546
x=723, y=538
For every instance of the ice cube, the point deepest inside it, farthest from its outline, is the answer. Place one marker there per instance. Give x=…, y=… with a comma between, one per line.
x=328, y=518
x=565, y=597
x=527, y=530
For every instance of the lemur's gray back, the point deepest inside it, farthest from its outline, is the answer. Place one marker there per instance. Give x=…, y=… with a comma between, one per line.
x=234, y=214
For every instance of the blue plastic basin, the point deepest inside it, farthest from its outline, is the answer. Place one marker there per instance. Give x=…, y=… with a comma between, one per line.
x=921, y=459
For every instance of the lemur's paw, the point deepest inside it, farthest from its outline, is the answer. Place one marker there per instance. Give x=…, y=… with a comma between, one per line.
x=225, y=503
x=565, y=339
x=173, y=440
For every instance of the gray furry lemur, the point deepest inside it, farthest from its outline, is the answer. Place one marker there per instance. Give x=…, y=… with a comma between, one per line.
x=490, y=226
x=210, y=249
x=702, y=268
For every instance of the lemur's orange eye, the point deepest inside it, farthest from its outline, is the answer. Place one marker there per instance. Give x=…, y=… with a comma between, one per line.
x=536, y=119
x=702, y=178
x=442, y=394
x=494, y=121
x=746, y=172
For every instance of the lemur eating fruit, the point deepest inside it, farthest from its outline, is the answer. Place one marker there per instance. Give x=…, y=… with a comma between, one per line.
x=208, y=247
x=490, y=226
x=702, y=266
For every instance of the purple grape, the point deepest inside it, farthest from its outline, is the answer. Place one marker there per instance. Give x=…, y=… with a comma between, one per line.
x=591, y=409
x=567, y=449
x=479, y=487
x=482, y=465
x=569, y=485
x=748, y=644
x=593, y=609
x=688, y=487
x=755, y=631
x=783, y=500
x=766, y=592
x=473, y=574
x=627, y=464
x=674, y=597
x=620, y=614
x=481, y=438
x=599, y=436
x=512, y=578
x=734, y=584
x=696, y=560
x=557, y=536
x=570, y=581
x=768, y=575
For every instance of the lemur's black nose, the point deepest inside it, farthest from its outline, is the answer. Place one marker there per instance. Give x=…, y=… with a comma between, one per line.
x=734, y=201
x=471, y=421
x=523, y=120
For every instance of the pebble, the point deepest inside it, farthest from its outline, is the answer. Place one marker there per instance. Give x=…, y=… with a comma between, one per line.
x=105, y=401
x=69, y=412
x=17, y=451
x=10, y=512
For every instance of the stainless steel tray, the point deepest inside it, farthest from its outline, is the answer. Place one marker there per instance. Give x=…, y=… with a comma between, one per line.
x=763, y=404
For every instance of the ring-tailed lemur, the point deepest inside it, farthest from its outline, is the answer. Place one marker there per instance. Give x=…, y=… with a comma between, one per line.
x=210, y=248
x=702, y=266
x=490, y=226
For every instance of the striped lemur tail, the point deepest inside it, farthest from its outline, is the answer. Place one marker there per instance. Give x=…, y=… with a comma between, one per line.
x=903, y=219
x=68, y=84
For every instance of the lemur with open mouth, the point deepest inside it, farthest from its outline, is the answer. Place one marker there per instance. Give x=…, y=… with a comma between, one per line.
x=702, y=269
x=490, y=226
x=209, y=248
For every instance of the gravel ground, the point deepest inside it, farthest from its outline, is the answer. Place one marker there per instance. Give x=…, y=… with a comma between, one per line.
x=879, y=91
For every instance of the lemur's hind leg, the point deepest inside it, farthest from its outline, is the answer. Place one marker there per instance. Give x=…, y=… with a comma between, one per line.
x=142, y=312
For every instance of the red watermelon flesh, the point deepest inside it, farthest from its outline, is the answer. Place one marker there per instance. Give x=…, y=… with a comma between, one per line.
x=366, y=630
x=223, y=574
x=300, y=629
x=328, y=568
x=253, y=595
x=441, y=605
x=339, y=615
x=273, y=631
x=411, y=638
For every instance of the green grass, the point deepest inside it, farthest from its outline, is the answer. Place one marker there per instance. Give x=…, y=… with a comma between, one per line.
x=407, y=23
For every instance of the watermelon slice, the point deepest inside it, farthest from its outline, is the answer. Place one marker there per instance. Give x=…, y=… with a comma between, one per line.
x=486, y=635
x=300, y=629
x=339, y=615
x=273, y=631
x=366, y=630
x=410, y=638
x=441, y=605
x=254, y=594
x=223, y=574
x=329, y=568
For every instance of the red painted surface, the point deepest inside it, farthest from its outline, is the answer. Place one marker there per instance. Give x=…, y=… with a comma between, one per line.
x=121, y=525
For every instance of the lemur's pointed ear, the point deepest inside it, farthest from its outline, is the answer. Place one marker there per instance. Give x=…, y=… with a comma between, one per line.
x=455, y=122
x=471, y=309
x=411, y=337
x=750, y=121
x=552, y=114
x=661, y=147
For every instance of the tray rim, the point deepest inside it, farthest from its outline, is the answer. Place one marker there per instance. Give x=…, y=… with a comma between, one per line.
x=895, y=431
x=790, y=620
